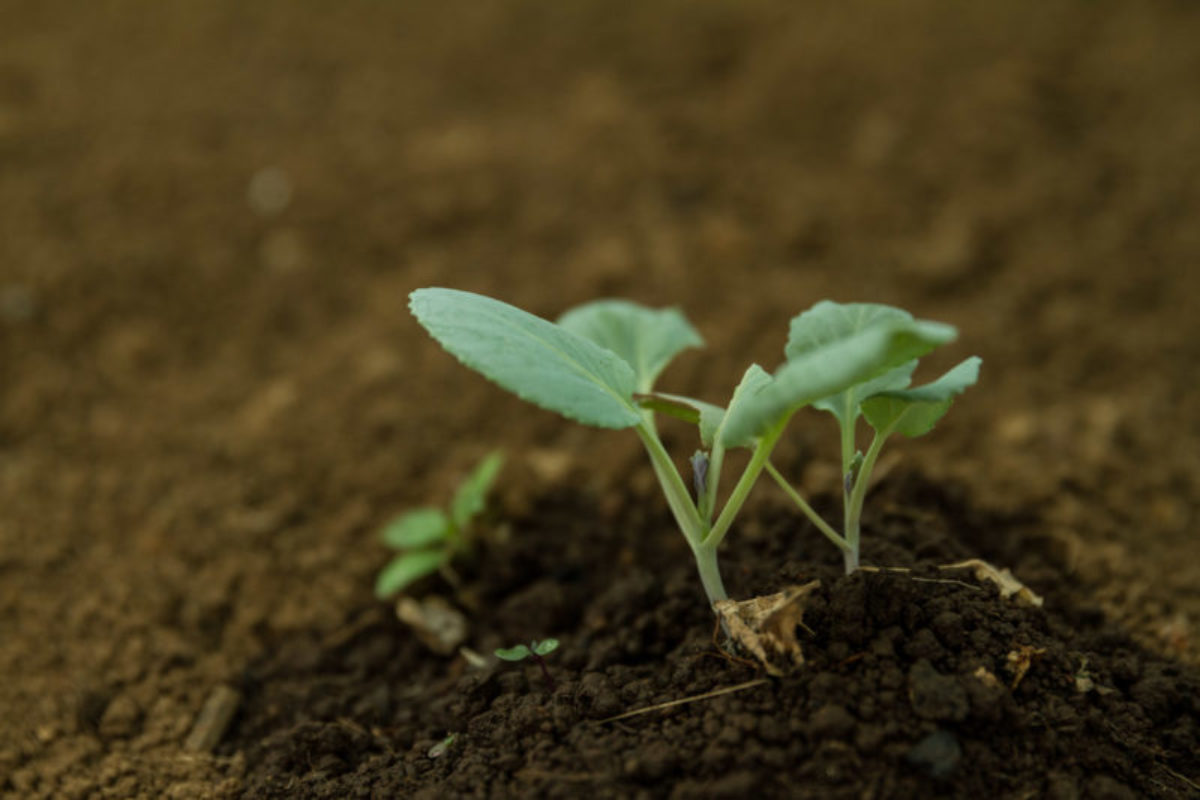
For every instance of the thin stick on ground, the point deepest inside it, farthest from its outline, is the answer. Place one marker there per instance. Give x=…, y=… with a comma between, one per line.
x=694, y=698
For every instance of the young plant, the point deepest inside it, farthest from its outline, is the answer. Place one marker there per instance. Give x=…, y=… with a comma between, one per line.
x=429, y=538
x=534, y=650
x=597, y=365
x=883, y=399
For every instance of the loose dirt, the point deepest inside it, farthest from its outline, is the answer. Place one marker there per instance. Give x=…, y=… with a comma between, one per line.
x=212, y=395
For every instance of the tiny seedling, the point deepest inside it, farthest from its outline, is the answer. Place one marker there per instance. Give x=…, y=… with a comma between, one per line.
x=597, y=365
x=429, y=538
x=535, y=650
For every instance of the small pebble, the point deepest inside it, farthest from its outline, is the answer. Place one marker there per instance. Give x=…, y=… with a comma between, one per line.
x=938, y=753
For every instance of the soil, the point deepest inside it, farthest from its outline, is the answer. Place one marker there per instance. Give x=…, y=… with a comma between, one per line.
x=212, y=395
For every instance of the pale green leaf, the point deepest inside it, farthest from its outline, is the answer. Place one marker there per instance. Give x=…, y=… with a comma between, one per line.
x=518, y=653
x=831, y=367
x=828, y=322
x=416, y=528
x=754, y=380
x=846, y=405
x=646, y=338
x=535, y=359
x=914, y=412
x=405, y=569
x=545, y=646
x=471, y=497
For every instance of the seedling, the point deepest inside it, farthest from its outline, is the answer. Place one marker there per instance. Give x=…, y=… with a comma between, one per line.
x=534, y=650
x=429, y=538
x=884, y=399
x=597, y=365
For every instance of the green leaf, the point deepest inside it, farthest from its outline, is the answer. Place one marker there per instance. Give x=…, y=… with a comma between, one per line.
x=847, y=405
x=914, y=412
x=535, y=359
x=754, y=380
x=405, y=569
x=646, y=338
x=417, y=528
x=828, y=322
x=471, y=497
x=545, y=646
x=829, y=367
x=518, y=653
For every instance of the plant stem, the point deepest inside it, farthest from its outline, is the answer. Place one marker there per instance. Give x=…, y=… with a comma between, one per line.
x=709, y=501
x=854, y=504
x=815, y=518
x=710, y=572
x=687, y=517
x=541, y=662
x=848, y=421
x=762, y=453
x=676, y=491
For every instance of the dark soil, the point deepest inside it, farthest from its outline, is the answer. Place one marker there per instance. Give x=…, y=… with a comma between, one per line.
x=212, y=394
x=909, y=686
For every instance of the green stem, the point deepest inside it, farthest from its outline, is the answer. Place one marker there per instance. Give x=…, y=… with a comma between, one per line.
x=687, y=517
x=849, y=446
x=762, y=453
x=676, y=491
x=815, y=518
x=709, y=501
x=854, y=504
x=710, y=572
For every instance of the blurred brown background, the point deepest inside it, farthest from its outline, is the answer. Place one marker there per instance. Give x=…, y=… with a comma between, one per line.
x=211, y=214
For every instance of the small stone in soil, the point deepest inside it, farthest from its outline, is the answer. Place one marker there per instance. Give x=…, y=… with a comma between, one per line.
x=938, y=753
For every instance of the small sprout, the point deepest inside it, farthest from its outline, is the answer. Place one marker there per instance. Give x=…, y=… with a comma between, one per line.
x=535, y=650
x=440, y=749
x=429, y=538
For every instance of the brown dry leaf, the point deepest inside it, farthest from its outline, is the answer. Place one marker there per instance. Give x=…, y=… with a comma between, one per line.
x=1009, y=585
x=440, y=626
x=766, y=626
x=1020, y=660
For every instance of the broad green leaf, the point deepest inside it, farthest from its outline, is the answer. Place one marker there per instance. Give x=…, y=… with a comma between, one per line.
x=471, y=496
x=847, y=405
x=828, y=322
x=914, y=412
x=829, y=368
x=406, y=568
x=535, y=359
x=545, y=646
x=646, y=338
x=417, y=528
x=754, y=380
x=518, y=653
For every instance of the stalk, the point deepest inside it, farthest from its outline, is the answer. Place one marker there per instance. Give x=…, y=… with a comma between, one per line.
x=854, y=503
x=676, y=491
x=762, y=454
x=813, y=517
x=710, y=572
x=709, y=501
x=686, y=515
